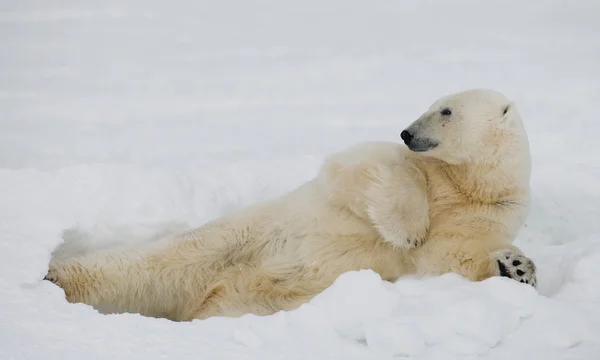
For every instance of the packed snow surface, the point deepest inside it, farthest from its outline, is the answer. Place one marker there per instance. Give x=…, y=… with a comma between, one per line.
x=126, y=121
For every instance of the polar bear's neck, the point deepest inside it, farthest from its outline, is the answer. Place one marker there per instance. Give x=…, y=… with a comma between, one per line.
x=498, y=177
x=505, y=177
x=488, y=183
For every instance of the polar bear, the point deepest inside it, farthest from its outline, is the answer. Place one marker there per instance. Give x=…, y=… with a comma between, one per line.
x=450, y=199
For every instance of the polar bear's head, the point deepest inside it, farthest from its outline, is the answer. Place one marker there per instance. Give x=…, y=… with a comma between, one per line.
x=465, y=126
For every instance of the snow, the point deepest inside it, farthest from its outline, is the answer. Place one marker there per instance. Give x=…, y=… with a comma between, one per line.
x=123, y=121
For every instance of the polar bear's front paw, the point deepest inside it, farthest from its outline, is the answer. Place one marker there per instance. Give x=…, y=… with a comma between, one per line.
x=406, y=234
x=414, y=241
x=406, y=239
x=412, y=230
x=516, y=266
x=402, y=239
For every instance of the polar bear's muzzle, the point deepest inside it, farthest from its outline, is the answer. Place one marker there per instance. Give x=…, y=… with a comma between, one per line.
x=418, y=135
x=415, y=142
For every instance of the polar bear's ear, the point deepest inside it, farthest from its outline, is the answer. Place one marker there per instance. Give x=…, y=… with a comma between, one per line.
x=506, y=110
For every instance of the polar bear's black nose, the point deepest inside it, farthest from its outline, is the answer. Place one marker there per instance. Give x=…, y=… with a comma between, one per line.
x=406, y=136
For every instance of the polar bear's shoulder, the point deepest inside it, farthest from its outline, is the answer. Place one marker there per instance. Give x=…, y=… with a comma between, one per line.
x=347, y=175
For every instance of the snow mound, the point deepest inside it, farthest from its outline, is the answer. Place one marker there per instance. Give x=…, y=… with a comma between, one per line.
x=359, y=317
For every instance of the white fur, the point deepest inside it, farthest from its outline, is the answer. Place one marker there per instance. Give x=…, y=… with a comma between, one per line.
x=377, y=205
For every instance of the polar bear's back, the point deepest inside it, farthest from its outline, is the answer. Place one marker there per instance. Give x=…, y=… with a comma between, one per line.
x=369, y=152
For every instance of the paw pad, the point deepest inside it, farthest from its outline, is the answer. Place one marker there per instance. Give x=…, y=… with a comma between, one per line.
x=517, y=267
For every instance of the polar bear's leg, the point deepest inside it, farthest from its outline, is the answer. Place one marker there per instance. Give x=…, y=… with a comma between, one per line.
x=476, y=259
x=126, y=281
x=391, y=196
x=155, y=280
x=396, y=202
x=261, y=290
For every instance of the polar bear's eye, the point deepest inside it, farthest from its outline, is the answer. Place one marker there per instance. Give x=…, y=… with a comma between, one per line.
x=446, y=112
